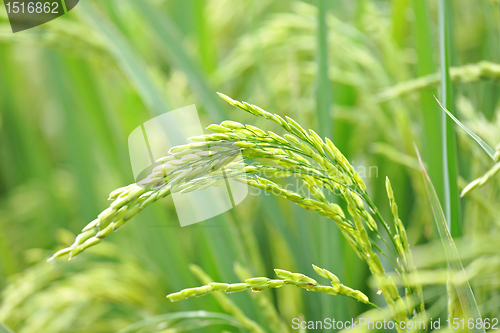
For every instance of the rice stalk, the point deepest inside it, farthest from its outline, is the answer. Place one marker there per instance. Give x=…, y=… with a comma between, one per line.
x=304, y=154
x=258, y=284
x=479, y=182
x=482, y=70
x=413, y=288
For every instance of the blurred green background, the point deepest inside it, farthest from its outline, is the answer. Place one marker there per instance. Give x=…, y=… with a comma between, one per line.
x=72, y=90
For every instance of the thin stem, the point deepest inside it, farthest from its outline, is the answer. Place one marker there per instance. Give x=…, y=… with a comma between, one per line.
x=451, y=202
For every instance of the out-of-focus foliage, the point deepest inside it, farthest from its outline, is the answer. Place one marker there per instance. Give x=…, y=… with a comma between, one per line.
x=73, y=89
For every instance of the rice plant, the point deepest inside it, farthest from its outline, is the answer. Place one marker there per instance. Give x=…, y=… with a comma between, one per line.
x=362, y=73
x=300, y=153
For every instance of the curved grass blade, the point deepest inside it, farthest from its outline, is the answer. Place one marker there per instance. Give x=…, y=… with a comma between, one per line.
x=159, y=323
x=464, y=291
x=490, y=151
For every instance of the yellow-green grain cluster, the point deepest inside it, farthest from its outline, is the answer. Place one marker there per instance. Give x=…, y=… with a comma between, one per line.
x=285, y=278
x=209, y=160
x=463, y=74
x=479, y=182
x=408, y=269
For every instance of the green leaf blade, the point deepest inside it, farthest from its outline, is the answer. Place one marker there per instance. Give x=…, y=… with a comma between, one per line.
x=464, y=291
x=490, y=151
